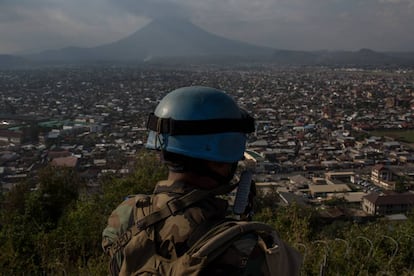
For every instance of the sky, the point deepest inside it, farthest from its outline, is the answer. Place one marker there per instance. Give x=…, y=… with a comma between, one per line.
x=382, y=25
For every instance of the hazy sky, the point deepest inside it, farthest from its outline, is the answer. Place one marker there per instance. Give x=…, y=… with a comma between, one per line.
x=283, y=24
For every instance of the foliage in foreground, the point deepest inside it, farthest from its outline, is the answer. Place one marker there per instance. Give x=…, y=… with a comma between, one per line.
x=56, y=229
x=345, y=247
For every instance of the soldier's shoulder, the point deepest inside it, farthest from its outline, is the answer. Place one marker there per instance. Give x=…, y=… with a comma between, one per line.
x=123, y=216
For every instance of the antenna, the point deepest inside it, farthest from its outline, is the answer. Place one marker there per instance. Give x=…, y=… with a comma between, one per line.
x=243, y=191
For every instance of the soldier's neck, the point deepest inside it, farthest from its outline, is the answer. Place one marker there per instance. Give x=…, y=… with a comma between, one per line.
x=193, y=179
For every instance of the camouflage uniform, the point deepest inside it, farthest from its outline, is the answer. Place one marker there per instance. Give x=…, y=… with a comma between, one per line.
x=177, y=233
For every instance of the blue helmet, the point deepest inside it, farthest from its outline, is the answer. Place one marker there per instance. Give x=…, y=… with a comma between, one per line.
x=200, y=122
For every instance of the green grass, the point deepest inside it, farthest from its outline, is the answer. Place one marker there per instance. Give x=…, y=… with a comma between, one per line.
x=400, y=135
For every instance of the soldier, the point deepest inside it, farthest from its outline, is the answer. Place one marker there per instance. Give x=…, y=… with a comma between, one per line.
x=201, y=133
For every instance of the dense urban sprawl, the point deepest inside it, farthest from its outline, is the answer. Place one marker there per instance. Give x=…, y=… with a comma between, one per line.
x=313, y=138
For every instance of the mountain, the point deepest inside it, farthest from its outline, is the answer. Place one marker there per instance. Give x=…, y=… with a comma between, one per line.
x=180, y=41
x=159, y=39
x=9, y=61
x=362, y=57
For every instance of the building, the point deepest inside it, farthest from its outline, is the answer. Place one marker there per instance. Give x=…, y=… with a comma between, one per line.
x=376, y=204
x=392, y=177
x=353, y=199
x=10, y=137
x=324, y=190
x=299, y=181
x=383, y=176
x=343, y=177
x=70, y=162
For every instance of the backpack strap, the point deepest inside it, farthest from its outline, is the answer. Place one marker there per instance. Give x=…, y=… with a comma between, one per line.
x=223, y=234
x=175, y=205
x=280, y=259
x=172, y=207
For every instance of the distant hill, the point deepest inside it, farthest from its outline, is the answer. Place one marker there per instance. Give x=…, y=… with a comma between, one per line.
x=160, y=39
x=363, y=57
x=10, y=61
x=180, y=41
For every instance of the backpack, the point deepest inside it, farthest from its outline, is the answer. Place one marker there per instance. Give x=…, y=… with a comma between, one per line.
x=134, y=252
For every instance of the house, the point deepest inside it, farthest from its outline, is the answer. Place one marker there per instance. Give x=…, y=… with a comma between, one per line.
x=385, y=204
x=58, y=154
x=391, y=145
x=383, y=176
x=10, y=137
x=344, y=176
x=291, y=198
x=393, y=177
x=353, y=199
x=299, y=181
x=267, y=187
x=324, y=190
x=69, y=161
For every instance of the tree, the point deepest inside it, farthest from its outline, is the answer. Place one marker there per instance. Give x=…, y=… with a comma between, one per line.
x=400, y=184
x=147, y=170
x=58, y=188
x=30, y=215
x=32, y=242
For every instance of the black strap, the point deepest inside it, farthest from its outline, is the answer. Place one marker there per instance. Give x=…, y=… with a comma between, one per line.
x=198, y=127
x=171, y=208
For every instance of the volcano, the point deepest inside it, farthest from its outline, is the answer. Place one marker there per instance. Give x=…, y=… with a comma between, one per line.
x=169, y=38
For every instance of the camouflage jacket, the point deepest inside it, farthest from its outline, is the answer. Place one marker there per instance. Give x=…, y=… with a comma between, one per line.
x=177, y=233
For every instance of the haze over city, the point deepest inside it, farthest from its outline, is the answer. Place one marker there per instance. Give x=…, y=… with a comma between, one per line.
x=382, y=25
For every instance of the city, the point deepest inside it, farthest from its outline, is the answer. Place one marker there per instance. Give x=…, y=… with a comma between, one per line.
x=317, y=129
